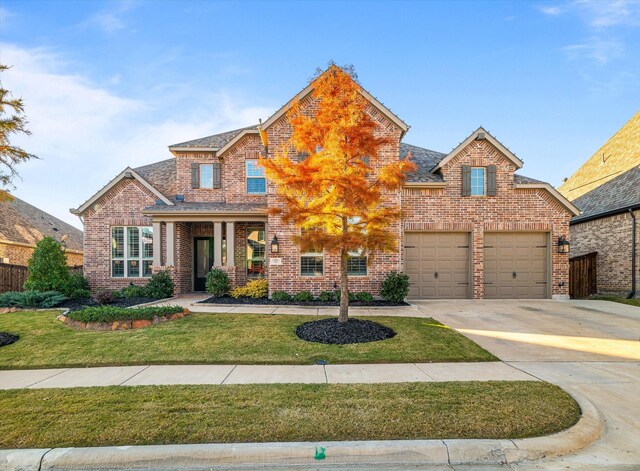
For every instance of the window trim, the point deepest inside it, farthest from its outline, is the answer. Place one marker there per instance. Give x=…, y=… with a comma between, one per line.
x=249, y=230
x=126, y=258
x=200, y=166
x=253, y=177
x=366, y=264
x=484, y=180
x=309, y=255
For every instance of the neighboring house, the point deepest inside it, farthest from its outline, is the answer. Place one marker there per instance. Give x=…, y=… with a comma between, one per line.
x=607, y=191
x=23, y=225
x=473, y=228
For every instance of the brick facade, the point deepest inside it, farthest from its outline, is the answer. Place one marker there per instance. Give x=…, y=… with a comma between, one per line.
x=611, y=238
x=20, y=255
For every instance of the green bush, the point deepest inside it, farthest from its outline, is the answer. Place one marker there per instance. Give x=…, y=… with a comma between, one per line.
x=104, y=296
x=337, y=295
x=113, y=313
x=217, y=283
x=327, y=296
x=48, y=270
x=31, y=299
x=76, y=287
x=254, y=289
x=160, y=285
x=364, y=297
x=303, y=297
x=280, y=296
x=133, y=291
x=395, y=287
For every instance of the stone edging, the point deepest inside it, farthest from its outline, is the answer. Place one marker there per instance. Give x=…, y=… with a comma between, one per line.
x=388, y=452
x=121, y=325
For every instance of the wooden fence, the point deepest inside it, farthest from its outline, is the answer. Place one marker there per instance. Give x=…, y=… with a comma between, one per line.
x=12, y=277
x=583, y=275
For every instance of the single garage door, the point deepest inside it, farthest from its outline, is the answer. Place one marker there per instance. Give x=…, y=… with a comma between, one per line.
x=515, y=265
x=437, y=264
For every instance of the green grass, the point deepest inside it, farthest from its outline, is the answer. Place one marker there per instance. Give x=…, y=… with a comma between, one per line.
x=221, y=339
x=617, y=299
x=147, y=415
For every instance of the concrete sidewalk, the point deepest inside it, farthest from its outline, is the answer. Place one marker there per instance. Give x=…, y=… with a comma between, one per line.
x=260, y=374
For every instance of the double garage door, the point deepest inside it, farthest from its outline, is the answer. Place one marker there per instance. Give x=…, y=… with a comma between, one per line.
x=439, y=264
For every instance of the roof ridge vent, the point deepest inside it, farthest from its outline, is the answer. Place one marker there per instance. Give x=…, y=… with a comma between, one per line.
x=481, y=136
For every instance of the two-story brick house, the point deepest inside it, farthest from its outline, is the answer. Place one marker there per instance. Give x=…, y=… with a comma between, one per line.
x=473, y=228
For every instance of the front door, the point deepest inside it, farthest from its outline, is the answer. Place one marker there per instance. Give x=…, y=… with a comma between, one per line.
x=202, y=261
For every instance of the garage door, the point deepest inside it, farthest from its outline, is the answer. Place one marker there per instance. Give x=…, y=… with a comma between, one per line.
x=515, y=265
x=437, y=264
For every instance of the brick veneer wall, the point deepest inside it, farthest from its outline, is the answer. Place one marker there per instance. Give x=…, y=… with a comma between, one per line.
x=510, y=210
x=611, y=238
x=20, y=255
x=122, y=206
x=287, y=277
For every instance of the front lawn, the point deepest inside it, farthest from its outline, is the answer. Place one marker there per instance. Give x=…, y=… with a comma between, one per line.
x=146, y=415
x=618, y=299
x=221, y=339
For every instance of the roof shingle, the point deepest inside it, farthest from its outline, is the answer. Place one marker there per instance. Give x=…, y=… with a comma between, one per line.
x=215, y=141
x=161, y=176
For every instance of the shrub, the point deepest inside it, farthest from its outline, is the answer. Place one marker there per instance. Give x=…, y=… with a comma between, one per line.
x=31, y=299
x=280, y=296
x=76, y=287
x=254, y=289
x=48, y=270
x=217, y=283
x=395, y=287
x=327, y=296
x=337, y=295
x=364, y=297
x=133, y=291
x=160, y=285
x=113, y=313
x=104, y=296
x=303, y=296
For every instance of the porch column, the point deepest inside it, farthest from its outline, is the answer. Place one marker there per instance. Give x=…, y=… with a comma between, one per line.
x=217, y=244
x=157, y=244
x=171, y=243
x=231, y=234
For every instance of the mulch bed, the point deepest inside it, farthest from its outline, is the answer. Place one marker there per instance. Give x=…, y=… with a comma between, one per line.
x=330, y=331
x=230, y=300
x=7, y=339
x=77, y=304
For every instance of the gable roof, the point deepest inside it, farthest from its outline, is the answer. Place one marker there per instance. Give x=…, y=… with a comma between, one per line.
x=617, y=194
x=425, y=160
x=161, y=175
x=309, y=88
x=23, y=223
x=481, y=134
x=213, y=142
x=126, y=173
x=618, y=155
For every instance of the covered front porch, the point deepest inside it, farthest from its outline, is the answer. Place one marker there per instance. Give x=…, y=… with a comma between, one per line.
x=189, y=241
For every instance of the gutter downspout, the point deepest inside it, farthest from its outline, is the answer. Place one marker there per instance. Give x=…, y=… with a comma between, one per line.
x=632, y=293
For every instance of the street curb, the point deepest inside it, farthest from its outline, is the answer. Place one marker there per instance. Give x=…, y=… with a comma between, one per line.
x=385, y=452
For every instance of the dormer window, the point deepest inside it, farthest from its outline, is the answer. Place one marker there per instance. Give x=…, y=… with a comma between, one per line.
x=478, y=181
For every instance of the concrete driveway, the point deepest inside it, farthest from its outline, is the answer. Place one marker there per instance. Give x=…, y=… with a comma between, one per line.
x=592, y=347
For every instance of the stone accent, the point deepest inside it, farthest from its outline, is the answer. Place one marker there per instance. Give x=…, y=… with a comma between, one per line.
x=121, y=325
x=611, y=238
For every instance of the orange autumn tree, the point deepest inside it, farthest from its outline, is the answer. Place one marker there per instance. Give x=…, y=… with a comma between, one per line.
x=336, y=194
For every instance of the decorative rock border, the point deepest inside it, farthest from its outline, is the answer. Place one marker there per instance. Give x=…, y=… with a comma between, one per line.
x=123, y=324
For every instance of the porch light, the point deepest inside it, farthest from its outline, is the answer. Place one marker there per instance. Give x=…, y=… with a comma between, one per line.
x=563, y=245
x=275, y=246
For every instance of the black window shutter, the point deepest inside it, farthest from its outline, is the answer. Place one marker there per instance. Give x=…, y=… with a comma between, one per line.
x=466, y=180
x=491, y=180
x=195, y=175
x=217, y=181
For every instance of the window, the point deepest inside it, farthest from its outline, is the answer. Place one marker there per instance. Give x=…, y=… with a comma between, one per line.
x=357, y=264
x=131, y=252
x=477, y=181
x=206, y=175
x=256, y=251
x=256, y=182
x=311, y=264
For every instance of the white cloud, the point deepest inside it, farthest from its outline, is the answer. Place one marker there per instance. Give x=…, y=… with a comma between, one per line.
x=597, y=49
x=551, y=11
x=86, y=134
x=109, y=21
x=604, y=14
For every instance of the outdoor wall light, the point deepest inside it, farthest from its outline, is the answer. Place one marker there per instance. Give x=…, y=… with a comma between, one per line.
x=275, y=246
x=563, y=245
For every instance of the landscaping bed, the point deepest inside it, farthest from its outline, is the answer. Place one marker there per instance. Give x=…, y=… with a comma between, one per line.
x=315, y=302
x=7, y=338
x=111, y=416
x=331, y=331
x=205, y=338
x=117, y=318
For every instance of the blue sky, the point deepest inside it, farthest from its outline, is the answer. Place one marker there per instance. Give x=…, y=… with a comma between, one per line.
x=111, y=84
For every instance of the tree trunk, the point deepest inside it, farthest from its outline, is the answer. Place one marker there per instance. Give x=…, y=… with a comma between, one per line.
x=344, y=288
